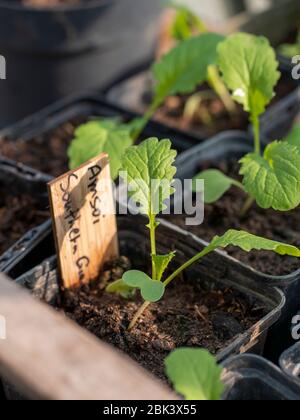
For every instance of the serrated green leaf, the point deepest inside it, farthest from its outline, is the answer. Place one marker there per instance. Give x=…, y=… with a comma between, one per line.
x=151, y=290
x=250, y=70
x=185, y=67
x=273, y=179
x=216, y=184
x=120, y=287
x=161, y=263
x=195, y=374
x=248, y=242
x=294, y=136
x=150, y=174
x=99, y=136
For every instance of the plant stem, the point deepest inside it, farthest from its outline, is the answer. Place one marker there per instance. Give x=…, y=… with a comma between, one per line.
x=145, y=119
x=138, y=315
x=152, y=227
x=190, y=262
x=247, y=206
x=215, y=81
x=256, y=128
x=145, y=305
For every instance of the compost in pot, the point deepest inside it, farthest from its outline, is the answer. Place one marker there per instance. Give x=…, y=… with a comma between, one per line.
x=18, y=214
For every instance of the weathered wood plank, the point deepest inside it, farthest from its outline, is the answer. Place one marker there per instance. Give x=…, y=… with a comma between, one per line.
x=48, y=357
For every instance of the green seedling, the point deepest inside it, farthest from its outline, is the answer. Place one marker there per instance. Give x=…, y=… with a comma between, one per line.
x=290, y=50
x=150, y=173
x=188, y=65
x=186, y=22
x=271, y=178
x=195, y=374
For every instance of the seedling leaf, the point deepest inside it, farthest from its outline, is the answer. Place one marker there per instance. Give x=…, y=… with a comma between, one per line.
x=98, y=136
x=161, y=263
x=185, y=66
x=186, y=22
x=151, y=290
x=195, y=374
x=274, y=179
x=248, y=242
x=290, y=50
x=249, y=67
x=150, y=174
x=216, y=184
x=120, y=287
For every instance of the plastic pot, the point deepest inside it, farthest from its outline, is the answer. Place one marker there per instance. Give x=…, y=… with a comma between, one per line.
x=279, y=119
x=290, y=362
x=53, y=52
x=17, y=179
x=214, y=271
x=235, y=145
x=252, y=378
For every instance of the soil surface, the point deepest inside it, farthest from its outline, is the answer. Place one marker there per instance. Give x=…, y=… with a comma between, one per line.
x=224, y=215
x=47, y=152
x=18, y=214
x=188, y=315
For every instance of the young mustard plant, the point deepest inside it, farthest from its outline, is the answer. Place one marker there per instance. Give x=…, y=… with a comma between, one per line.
x=150, y=172
x=271, y=178
x=195, y=374
x=188, y=65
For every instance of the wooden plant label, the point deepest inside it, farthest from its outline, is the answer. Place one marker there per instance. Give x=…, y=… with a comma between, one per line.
x=84, y=220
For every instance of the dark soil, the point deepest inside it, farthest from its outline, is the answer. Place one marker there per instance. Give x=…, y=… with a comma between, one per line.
x=18, y=214
x=172, y=113
x=47, y=152
x=224, y=215
x=188, y=315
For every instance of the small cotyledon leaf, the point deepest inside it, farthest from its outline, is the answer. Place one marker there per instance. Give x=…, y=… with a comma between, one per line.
x=121, y=288
x=151, y=290
x=216, y=184
x=195, y=374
